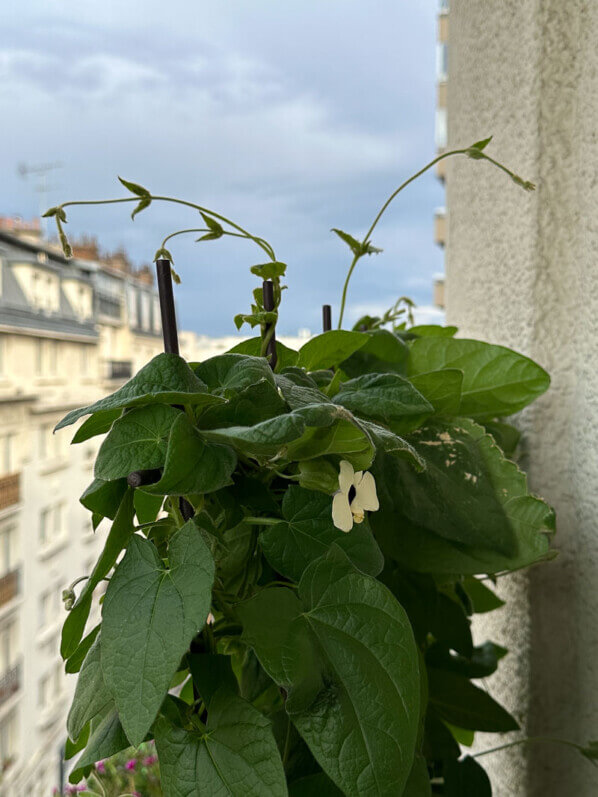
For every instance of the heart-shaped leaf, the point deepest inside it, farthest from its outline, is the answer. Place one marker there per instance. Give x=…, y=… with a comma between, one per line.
x=167, y=379
x=137, y=441
x=307, y=532
x=150, y=615
x=236, y=755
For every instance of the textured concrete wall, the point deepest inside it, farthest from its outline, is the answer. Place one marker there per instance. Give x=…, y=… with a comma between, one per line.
x=522, y=270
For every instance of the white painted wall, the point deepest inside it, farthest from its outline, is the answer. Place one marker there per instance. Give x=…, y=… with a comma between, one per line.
x=522, y=270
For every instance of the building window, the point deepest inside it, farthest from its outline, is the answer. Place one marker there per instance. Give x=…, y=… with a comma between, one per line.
x=45, y=691
x=8, y=739
x=7, y=453
x=84, y=360
x=132, y=305
x=8, y=647
x=443, y=6
x=8, y=549
x=52, y=523
x=441, y=128
x=157, y=321
x=146, y=311
x=442, y=61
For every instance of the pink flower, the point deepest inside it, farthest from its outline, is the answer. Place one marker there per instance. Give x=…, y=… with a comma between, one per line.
x=149, y=761
x=101, y=767
x=131, y=764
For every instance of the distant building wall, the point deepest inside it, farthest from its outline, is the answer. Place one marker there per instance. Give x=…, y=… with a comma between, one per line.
x=522, y=270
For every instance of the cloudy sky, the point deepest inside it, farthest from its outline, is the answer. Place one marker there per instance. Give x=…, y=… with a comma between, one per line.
x=289, y=117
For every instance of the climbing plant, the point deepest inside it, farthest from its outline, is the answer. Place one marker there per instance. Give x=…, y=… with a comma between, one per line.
x=292, y=577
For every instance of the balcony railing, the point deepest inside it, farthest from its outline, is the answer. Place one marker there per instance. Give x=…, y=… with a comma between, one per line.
x=9, y=587
x=119, y=369
x=10, y=683
x=9, y=490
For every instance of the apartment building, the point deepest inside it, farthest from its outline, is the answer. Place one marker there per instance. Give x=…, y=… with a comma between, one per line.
x=440, y=224
x=70, y=331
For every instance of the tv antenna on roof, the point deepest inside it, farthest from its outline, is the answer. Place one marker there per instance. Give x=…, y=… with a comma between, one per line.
x=41, y=172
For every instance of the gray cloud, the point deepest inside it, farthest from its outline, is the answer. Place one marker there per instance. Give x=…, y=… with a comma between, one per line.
x=290, y=117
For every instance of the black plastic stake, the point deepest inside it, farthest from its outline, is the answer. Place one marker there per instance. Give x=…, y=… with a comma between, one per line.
x=171, y=345
x=167, y=311
x=326, y=317
x=268, y=288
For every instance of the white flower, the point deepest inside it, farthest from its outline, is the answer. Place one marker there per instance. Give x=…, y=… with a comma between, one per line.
x=357, y=494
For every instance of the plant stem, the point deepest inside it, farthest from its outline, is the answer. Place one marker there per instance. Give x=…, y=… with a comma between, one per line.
x=527, y=740
x=157, y=198
x=287, y=744
x=262, y=521
x=403, y=185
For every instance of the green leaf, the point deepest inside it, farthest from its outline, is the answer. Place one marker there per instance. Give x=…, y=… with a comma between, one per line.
x=312, y=785
x=252, y=405
x=72, y=748
x=253, y=346
x=147, y=506
x=461, y=703
x=357, y=247
x=590, y=751
x=98, y=423
x=482, y=144
x=91, y=694
x=104, y=497
x=143, y=204
x=265, y=439
x=118, y=538
x=217, y=231
x=193, y=465
x=418, y=784
x=74, y=663
x=441, y=388
x=506, y=436
x=382, y=352
x=138, y=190
x=387, y=398
x=496, y=380
x=259, y=318
x=468, y=489
x=345, y=437
x=167, y=379
x=318, y=474
x=482, y=598
x=164, y=254
x=236, y=755
x=482, y=662
x=266, y=619
x=137, y=441
x=432, y=330
x=270, y=270
x=210, y=673
x=106, y=740
x=150, y=615
x=299, y=395
x=393, y=444
x=466, y=777
x=350, y=663
x=330, y=349
x=233, y=372
x=307, y=532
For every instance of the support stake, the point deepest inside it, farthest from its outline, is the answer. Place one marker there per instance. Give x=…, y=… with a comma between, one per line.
x=268, y=288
